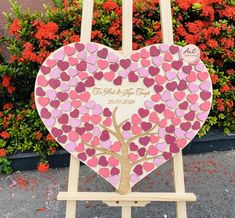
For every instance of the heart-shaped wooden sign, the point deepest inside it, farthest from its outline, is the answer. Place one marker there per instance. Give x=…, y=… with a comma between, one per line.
x=123, y=116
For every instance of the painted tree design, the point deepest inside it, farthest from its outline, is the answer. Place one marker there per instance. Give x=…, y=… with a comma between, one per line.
x=125, y=162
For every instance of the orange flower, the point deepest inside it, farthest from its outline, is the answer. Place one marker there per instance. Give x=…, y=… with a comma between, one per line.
x=96, y=33
x=184, y=4
x=212, y=43
x=46, y=32
x=214, y=78
x=5, y=124
x=15, y=27
x=7, y=106
x=43, y=167
x=74, y=38
x=13, y=58
x=19, y=118
x=5, y=134
x=6, y=80
x=11, y=89
x=224, y=88
x=3, y=152
x=1, y=114
x=49, y=137
x=227, y=42
x=38, y=135
x=110, y=6
x=28, y=54
x=9, y=116
x=220, y=104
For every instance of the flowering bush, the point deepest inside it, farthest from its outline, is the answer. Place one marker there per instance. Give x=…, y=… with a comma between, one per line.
x=33, y=36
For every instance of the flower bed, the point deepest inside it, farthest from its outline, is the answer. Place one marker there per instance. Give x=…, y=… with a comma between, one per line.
x=33, y=36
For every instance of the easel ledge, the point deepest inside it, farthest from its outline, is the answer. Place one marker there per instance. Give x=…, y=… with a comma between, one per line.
x=132, y=196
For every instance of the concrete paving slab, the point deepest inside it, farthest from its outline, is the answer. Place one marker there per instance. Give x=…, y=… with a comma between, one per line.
x=210, y=176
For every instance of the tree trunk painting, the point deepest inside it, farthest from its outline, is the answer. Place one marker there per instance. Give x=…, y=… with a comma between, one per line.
x=126, y=164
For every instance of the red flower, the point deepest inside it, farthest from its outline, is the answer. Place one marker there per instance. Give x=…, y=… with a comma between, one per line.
x=74, y=38
x=13, y=58
x=224, y=88
x=184, y=4
x=33, y=106
x=230, y=71
x=227, y=42
x=202, y=46
x=65, y=3
x=19, y=118
x=96, y=34
x=208, y=11
x=5, y=134
x=214, y=78
x=6, y=80
x=134, y=46
x=38, y=135
x=220, y=104
x=3, y=152
x=46, y=32
x=7, y=106
x=15, y=27
x=229, y=12
x=110, y=6
x=27, y=54
x=52, y=150
x=212, y=43
x=11, y=89
x=43, y=167
x=49, y=137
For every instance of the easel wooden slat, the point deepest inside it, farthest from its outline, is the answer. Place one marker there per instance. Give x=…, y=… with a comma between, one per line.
x=181, y=210
x=166, y=22
x=72, y=185
x=87, y=15
x=132, y=196
x=126, y=212
x=127, y=27
x=127, y=203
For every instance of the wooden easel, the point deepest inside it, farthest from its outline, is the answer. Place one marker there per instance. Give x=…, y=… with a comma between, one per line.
x=132, y=199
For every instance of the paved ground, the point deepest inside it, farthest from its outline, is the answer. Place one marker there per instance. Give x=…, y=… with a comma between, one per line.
x=210, y=176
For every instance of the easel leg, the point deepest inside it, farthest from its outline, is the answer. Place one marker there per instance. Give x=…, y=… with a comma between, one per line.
x=179, y=184
x=126, y=212
x=72, y=186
